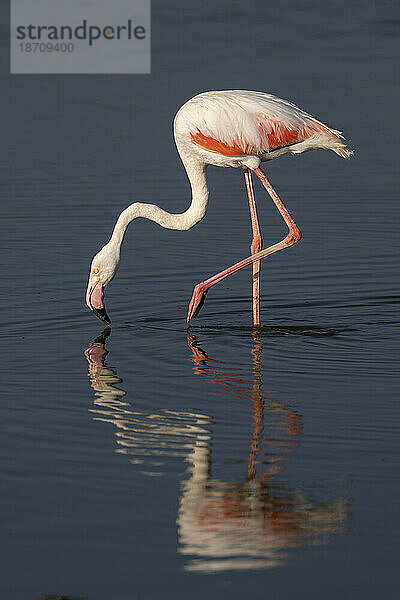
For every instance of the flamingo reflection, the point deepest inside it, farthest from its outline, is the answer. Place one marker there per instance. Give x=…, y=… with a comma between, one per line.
x=248, y=523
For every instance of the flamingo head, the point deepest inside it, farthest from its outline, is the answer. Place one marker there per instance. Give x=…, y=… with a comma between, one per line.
x=102, y=270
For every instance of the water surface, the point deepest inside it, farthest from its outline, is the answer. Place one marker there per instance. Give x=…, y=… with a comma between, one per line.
x=149, y=461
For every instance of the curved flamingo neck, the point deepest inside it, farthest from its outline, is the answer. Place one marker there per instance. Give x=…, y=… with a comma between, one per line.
x=196, y=172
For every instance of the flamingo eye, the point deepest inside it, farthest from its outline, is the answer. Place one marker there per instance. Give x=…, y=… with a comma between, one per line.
x=95, y=270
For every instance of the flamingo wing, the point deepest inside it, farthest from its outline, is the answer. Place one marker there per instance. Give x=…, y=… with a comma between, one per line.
x=234, y=123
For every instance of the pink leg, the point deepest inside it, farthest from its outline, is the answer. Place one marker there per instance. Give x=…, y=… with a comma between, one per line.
x=255, y=247
x=293, y=236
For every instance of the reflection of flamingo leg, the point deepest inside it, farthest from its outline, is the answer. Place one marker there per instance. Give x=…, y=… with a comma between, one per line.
x=199, y=357
x=255, y=247
x=258, y=408
x=294, y=235
x=291, y=422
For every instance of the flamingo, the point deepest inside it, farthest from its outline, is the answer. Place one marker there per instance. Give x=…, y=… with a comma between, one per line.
x=235, y=128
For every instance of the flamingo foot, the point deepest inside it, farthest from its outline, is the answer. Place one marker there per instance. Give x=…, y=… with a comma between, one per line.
x=197, y=301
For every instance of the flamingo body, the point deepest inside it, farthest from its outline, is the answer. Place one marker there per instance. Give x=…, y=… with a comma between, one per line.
x=234, y=128
x=240, y=128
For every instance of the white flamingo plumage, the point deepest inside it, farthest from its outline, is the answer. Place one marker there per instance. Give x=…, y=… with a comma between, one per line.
x=233, y=128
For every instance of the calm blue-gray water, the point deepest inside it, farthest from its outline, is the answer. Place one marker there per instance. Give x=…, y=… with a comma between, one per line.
x=151, y=462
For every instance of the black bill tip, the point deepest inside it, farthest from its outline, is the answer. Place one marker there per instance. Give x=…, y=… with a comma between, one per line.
x=103, y=316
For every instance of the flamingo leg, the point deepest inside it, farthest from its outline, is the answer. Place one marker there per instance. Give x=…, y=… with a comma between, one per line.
x=294, y=235
x=255, y=247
